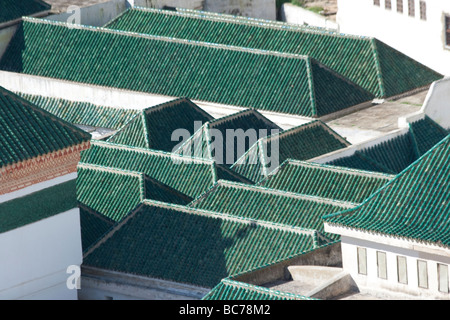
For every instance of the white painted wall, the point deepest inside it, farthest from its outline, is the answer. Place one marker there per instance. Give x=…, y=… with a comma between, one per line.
x=370, y=283
x=96, y=15
x=437, y=102
x=294, y=14
x=34, y=258
x=421, y=40
x=262, y=9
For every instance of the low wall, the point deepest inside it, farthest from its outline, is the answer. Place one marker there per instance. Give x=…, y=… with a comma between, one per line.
x=437, y=103
x=294, y=14
x=328, y=256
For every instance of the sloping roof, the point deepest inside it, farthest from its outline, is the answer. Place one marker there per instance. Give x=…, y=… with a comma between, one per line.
x=365, y=61
x=38, y=206
x=325, y=181
x=304, y=142
x=115, y=192
x=153, y=127
x=190, y=176
x=27, y=131
x=93, y=226
x=83, y=113
x=415, y=205
x=192, y=246
x=213, y=139
x=396, y=154
x=229, y=289
x=254, y=202
x=244, y=77
x=13, y=9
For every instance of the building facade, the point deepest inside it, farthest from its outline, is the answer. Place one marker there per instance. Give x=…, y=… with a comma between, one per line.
x=417, y=28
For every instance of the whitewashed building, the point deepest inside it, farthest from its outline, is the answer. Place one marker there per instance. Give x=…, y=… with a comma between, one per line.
x=417, y=28
x=40, y=237
x=398, y=241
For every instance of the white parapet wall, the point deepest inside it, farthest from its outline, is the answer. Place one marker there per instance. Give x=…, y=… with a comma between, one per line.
x=437, y=102
x=294, y=14
x=34, y=259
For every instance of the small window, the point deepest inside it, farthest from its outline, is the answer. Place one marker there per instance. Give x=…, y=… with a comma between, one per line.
x=362, y=261
x=402, y=271
x=400, y=6
x=443, y=277
x=447, y=30
x=388, y=4
x=422, y=274
x=423, y=10
x=376, y=3
x=382, y=265
x=411, y=8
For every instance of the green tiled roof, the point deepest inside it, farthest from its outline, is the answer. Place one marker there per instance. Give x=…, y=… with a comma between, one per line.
x=254, y=202
x=426, y=134
x=365, y=61
x=395, y=155
x=38, y=206
x=304, y=142
x=244, y=77
x=93, y=226
x=234, y=290
x=114, y=193
x=13, y=9
x=83, y=113
x=325, y=181
x=192, y=246
x=154, y=126
x=189, y=176
x=27, y=131
x=248, y=124
x=415, y=205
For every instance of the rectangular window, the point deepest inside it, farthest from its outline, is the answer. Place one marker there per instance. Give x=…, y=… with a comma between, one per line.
x=388, y=5
x=400, y=6
x=423, y=10
x=376, y=2
x=402, y=270
x=362, y=261
x=411, y=8
x=443, y=277
x=422, y=274
x=447, y=30
x=382, y=265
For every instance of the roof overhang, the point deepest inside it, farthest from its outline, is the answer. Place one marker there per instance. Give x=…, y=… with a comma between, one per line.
x=395, y=241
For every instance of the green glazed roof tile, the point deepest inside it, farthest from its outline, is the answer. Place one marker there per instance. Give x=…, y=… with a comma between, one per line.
x=12, y=9
x=325, y=181
x=192, y=246
x=415, y=205
x=365, y=61
x=29, y=131
x=244, y=77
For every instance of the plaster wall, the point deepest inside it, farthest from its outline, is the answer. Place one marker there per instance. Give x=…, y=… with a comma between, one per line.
x=422, y=40
x=294, y=14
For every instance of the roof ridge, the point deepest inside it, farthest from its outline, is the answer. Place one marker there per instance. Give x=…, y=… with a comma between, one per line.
x=168, y=39
x=95, y=167
x=35, y=108
x=391, y=182
x=111, y=145
x=233, y=184
x=172, y=103
x=356, y=172
x=230, y=217
x=269, y=24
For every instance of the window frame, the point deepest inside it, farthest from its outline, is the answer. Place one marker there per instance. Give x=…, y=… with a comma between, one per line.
x=388, y=4
x=412, y=8
x=420, y=283
x=447, y=30
x=440, y=280
x=377, y=3
x=423, y=10
x=400, y=6
x=382, y=271
x=360, y=250
x=399, y=280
